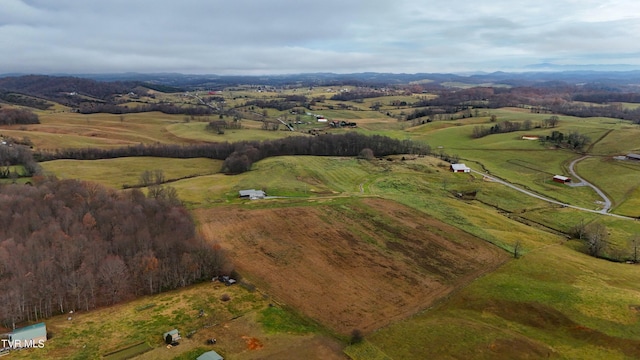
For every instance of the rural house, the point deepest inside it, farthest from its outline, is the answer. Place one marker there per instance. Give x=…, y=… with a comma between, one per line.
x=561, y=179
x=210, y=355
x=252, y=194
x=28, y=336
x=460, y=168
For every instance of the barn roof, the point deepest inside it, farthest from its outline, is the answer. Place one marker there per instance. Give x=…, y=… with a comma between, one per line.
x=29, y=332
x=210, y=355
x=456, y=167
x=252, y=193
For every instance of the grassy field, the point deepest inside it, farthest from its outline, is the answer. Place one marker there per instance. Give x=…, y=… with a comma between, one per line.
x=373, y=222
x=141, y=323
x=124, y=172
x=530, y=164
x=583, y=310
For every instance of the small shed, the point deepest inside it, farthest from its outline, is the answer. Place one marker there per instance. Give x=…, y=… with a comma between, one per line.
x=252, y=194
x=561, y=179
x=210, y=355
x=460, y=168
x=171, y=336
x=28, y=336
x=633, y=156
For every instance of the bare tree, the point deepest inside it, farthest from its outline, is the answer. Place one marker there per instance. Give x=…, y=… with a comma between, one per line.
x=635, y=244
x=146, y=178
x=596, y=237
x=517, y=249
x=366, y=154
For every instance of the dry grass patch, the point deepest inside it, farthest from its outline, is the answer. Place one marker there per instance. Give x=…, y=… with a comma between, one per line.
x=357, y=265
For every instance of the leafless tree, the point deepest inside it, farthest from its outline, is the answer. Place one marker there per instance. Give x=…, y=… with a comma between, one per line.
x=596, y=237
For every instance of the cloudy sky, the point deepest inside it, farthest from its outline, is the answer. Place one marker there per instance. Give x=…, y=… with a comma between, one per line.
x=297, y=36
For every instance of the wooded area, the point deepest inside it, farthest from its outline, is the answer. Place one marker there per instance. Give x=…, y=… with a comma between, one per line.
x=240, y=155
x=68, y=245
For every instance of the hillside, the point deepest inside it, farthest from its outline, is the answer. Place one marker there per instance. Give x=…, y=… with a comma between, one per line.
x=352, y=265
x=419, y=260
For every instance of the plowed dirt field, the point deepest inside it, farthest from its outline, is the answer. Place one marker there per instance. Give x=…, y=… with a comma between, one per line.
x=359, y=265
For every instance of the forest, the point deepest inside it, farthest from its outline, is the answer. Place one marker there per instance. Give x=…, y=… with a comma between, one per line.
x=71, y=245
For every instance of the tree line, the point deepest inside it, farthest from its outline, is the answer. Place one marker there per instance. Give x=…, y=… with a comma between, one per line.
x=19, y=99
x=287, y=103
x=239, y=156
x=69, y=245
x=110, y=108
x=12, y=116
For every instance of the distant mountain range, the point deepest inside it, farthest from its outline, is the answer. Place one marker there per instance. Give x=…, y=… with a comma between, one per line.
x=116, y=83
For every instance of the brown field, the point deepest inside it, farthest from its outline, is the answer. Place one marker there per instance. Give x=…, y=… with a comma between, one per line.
x=360, y=265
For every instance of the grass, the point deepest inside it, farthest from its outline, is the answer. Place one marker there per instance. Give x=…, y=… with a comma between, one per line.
x=120, y=172
x=601, y=170
x=91, y=334
x=553, y=301
x=532, y=310
x=197, y=131
x=530, y=164
x=280, y=320
x=128, y=352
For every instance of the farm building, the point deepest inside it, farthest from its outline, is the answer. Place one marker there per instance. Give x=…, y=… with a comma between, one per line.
x=210, y=355
x=252, y=194
x=633, y=156
x=561, y=179
x=28, y=336
x=171, y=336
x=530, y=137
x=460, y=168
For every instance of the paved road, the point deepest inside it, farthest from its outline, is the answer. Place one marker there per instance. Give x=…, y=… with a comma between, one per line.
x=583, y=182
x=532, y=194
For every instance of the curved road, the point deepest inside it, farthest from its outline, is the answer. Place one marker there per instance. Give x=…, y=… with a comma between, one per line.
x=532, y=194
x=607, y=201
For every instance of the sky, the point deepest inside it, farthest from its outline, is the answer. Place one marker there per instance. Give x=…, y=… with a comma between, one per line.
x=260, y=37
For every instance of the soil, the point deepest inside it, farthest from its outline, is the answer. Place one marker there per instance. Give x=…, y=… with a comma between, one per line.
x=361, y=265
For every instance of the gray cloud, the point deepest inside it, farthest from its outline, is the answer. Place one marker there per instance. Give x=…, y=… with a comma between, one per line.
x=281, y=36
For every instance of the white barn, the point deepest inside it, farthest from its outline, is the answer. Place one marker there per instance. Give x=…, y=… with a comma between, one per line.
x=460, y=168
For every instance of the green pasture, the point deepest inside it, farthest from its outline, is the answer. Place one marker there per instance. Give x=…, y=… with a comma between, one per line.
x=620, y=141
x=118, y=172
x=580, y=310
x=197, y=131
x=619, y=179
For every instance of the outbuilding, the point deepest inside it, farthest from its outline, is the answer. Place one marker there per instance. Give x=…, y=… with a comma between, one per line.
x=561, y=179
x=252, y=194
x=460, y=168
x=210, y=355
x=171, y=336
x=28, y=336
